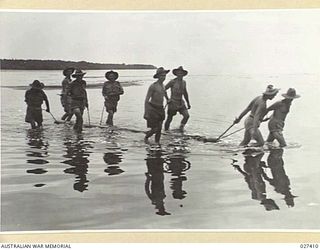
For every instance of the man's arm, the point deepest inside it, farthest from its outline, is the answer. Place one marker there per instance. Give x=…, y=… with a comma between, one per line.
x=68, y=89
x=104, y=91
x=26, y=96
x=274, y=106
x=86, y=103
x=186, y=95
x=149, y=94
x=47, y=102
x=169, y=85
x=121, y=91
x=244, y=112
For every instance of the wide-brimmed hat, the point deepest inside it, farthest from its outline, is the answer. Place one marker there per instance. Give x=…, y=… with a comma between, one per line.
x=291, y=94
x=271, y=90
x=37, y=84
x=79, y=72
x=161, y=71
x=64, y=72
x=109, y=73
x=180, y=69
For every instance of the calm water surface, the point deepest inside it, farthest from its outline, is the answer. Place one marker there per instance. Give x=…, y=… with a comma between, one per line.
x=55, y=179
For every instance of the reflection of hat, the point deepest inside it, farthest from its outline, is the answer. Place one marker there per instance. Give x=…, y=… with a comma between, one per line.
x=37, y=84
x=109, y=73
x=64, y=72
x=160, y=71
x=78, y=73
x=270, y=90
x=291, y=94
x=180, y=69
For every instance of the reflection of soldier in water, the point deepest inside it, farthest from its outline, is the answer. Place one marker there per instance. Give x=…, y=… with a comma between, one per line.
x=252, y=171
x=35, y=141
x=177, y=165
x=113, y=159
x=37, y=152
x=154, y=185
x=279, y=179
x=78, y=154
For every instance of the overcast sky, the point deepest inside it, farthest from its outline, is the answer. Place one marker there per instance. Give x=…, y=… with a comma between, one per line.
x=268, y=42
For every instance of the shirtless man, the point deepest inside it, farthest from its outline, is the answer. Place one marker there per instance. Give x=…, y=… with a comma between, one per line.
x=176, y=104
x=154, y=111
x=257, y=108
x=280, y=111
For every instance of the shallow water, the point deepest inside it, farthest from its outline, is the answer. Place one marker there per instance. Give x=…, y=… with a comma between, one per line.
x=55, y=179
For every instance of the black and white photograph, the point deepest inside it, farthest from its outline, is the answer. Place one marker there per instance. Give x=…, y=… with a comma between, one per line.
x=160, y=120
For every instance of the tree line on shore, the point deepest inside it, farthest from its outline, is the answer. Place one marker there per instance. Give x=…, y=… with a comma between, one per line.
x=29, y=64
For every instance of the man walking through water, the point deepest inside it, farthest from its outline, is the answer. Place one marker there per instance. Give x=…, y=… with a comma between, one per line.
x=176, y=104
x=65, y=99
x=154, y=111
x=257, y=108
x=79, y=100
x=280, y=111
x=34, y=98
x=111, y=92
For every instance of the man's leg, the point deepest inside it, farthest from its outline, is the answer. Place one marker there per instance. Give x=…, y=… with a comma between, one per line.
x=69, y=117
x=149, y=134
x=256, y=134
x=38, y=118
x=168, y=121
x=110, y=118
x=246, y=138
x=64, y=116
x=33, y=124
x=270, y=137
x=279, y=137
x=79, y=119
x=185, y=118
x=158, y=133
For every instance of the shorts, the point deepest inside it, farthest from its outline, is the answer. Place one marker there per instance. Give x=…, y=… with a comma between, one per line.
x=34, y=114
x=77, y=104
x=275, y=125
x=154, y=115
x=174, y=107
x=111, y=103
x=248, y=123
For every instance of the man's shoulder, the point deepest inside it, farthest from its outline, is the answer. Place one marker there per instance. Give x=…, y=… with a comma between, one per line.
x=66, y=80
x=154, y=84
x=258, y=99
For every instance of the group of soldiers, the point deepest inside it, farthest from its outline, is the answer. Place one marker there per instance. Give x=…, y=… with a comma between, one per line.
x=74, y=100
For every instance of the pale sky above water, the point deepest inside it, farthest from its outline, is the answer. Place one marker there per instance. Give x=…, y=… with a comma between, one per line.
x=226, y=42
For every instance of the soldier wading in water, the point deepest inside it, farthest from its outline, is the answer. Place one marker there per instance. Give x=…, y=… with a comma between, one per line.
x=79, y=100
x=176, y=103
x=154, y=110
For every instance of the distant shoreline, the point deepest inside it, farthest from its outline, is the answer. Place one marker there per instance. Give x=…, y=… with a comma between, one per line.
x=29, y=64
